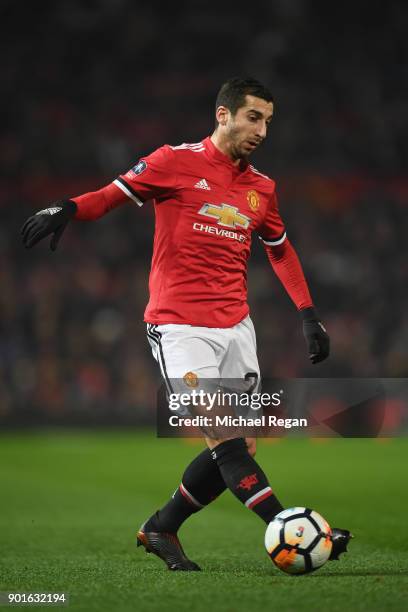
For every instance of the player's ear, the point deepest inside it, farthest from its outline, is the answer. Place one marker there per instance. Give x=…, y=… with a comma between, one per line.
x=222, y=114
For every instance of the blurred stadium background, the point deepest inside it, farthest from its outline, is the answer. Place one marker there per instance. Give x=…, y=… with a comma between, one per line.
x=88, y=87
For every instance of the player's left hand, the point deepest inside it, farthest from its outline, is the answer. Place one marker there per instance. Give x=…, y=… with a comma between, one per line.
x=317, y=339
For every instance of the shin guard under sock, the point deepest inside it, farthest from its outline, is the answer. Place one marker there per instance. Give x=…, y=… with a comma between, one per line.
x=245, y=479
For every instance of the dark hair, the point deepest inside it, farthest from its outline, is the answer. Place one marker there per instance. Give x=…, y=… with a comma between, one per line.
x=232, y=93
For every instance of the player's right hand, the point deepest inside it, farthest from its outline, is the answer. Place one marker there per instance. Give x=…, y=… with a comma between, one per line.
x=48, y=221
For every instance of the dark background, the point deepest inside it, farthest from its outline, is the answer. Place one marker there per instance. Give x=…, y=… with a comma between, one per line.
x=88, y=87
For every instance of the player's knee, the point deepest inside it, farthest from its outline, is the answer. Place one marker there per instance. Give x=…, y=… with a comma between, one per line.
x=251, y=444
x=212, y=443
x=252, y=450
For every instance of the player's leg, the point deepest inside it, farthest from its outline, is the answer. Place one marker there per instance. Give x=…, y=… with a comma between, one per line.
x=247, y=481
x=241, y=473
x=178, y=350
x=200, y=484
x=244, y=477
x=235, y=457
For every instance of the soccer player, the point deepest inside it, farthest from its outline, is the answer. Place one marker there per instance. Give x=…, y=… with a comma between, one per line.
x=208, y=199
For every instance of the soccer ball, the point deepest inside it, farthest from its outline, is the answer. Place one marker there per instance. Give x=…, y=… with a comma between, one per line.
x=298, y=540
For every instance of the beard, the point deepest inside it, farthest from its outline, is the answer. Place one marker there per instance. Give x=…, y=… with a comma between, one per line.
x=240, y=145
x=237, y=144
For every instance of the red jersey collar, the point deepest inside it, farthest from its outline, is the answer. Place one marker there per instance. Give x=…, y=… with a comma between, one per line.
x=215, y=153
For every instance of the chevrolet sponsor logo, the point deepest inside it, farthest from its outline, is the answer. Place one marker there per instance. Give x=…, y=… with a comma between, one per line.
x=218, y=231
x=226, y=215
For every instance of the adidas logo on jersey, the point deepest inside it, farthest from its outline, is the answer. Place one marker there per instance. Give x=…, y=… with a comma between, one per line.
x=202, y=185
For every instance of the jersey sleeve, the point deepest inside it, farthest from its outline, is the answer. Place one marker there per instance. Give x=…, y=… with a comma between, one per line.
x=287, y=267
x=282, y=256
x=153, y=176
x=272, y=230
x=95, y=204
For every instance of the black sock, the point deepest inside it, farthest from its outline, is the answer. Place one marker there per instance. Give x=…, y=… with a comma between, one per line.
x=200, y=485
x=245, y=479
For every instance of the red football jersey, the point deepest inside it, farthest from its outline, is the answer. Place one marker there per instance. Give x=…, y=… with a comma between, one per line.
x=206, y=209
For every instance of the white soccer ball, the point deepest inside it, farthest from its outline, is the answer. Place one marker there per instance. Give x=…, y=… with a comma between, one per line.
x=298, y=540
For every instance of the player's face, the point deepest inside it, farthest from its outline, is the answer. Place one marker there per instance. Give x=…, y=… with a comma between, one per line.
x=247, y=129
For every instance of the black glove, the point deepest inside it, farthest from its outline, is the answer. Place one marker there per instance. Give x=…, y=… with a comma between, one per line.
x=317, y=340
x=51, y=220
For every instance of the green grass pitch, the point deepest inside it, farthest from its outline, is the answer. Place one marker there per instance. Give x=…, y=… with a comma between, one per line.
x=71, y=503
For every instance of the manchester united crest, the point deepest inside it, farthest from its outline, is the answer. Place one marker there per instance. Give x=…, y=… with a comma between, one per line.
x=191, y=379
x=253, y=200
